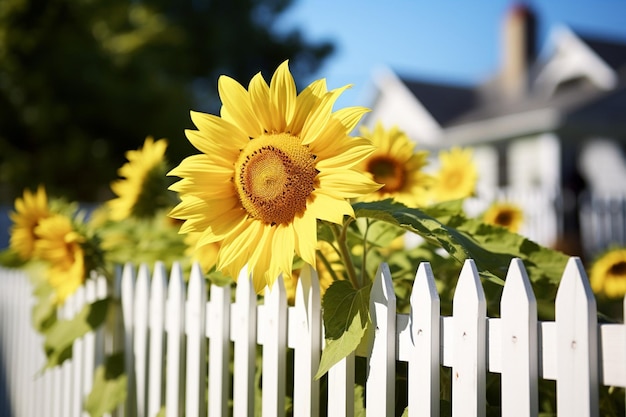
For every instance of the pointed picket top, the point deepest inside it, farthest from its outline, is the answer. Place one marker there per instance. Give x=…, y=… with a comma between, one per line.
x=469, y=357
x=469, y=286
x=520, y=366
x=308, y=293
x=574, y=282
x=245, y=289
x=243, y=334
x=195, y=317
x=175, y=297
x=382, y=369
x=517, y=286
x=424, y=369
x=308, y=343
x=158, y=287
x=577, y=346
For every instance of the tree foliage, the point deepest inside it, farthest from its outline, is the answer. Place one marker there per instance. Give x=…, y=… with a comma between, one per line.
x=83, y=81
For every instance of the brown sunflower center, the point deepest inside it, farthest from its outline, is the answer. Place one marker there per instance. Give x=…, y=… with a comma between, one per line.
x=274, y=176
x=618, y=269
x=387, y=171
x=504, y=218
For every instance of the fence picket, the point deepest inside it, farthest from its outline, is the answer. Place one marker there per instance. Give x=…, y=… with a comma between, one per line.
x=274, y=329
x=341, y=387
x=519, y=357
x=424, y=355
x=128, y=301
x=156, y=330
x=243, y=334
x=195, y=325
x=308, y=333
x=382, y=363
x=140, y=348
x=79, y=363
x=577, y=356
x=175, y=322
x=469, y=359
x=218, y=331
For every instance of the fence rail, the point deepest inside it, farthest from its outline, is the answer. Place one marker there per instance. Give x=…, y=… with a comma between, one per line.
x=177, y=342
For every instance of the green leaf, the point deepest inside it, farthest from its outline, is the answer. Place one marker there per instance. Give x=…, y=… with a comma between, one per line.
x=109, y=387
x=380, y=234
x=62, y=334
x=346, y=318
x=491, y=247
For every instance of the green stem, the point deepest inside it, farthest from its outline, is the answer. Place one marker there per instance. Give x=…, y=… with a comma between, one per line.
x=364, y=276
x=327, y=264
x=344, y=251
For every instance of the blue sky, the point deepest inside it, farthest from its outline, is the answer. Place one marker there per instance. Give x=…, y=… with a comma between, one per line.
x=446, y=40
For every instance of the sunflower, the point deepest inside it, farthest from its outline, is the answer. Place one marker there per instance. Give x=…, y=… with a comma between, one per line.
x=142, y=191
x=205, y=255
x=457, y=175
x=272, y=165
x=505, y=214
x=398, y=166
x=608, y=274
x=61, y=246
x=29, y=211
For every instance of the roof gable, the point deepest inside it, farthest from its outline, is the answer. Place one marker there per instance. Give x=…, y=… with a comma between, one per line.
x=566, y=57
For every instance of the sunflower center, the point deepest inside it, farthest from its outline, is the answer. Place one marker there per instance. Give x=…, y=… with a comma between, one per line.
x=274, y=176
x=387, y=171
x=618, y=269
x=504, y=218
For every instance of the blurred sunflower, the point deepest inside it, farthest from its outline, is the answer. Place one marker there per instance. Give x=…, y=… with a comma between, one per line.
x=29, y=211
x=205, y=255
x=505, y=214
x=608, y=274
x=398, y=166
x=61, y=246
x=457, y=175
x=272, y=165
x=142, y=191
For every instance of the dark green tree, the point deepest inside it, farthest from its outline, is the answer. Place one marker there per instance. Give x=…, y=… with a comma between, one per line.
x=83, y=81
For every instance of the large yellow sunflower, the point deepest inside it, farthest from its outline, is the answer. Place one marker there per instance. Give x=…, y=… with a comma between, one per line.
x=398, y=166
x=142, y=189
x=457, y=175
x=60, y=245
x=505, y=214
x=272, y=165
x=608, y=274
x=29, y=211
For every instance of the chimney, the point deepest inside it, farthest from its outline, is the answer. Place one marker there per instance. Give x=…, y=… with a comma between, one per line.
x=518, y=49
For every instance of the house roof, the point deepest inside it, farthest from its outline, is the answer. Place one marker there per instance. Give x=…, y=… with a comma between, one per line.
x=444, y=102
x=611, y=52
x=577, y=105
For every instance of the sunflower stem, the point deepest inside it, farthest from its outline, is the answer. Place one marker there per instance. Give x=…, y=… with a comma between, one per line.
x=344, y=251
x=327, y=264
x=364, y=276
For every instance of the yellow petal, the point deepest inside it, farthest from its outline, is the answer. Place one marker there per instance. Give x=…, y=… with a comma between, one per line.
x=237, y=107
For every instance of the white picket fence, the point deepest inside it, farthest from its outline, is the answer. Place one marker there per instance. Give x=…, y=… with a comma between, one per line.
x=602, y=222
x=178, y=343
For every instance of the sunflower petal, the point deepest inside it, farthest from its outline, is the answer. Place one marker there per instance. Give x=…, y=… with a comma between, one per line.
x=237, y=107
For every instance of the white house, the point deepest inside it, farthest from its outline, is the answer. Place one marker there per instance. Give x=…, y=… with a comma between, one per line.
x=551, y=118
